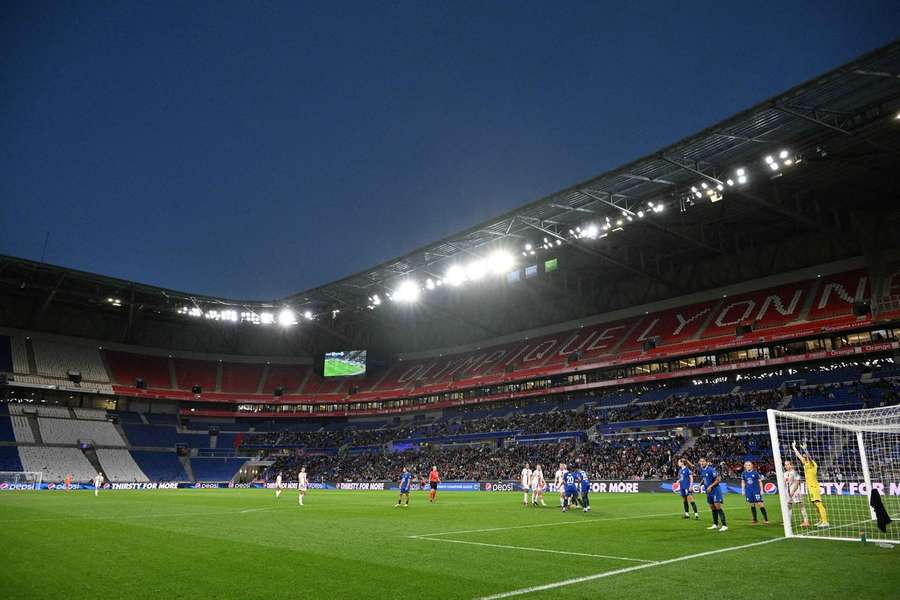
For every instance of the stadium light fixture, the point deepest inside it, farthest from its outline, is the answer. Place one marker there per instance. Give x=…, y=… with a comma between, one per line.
x=456, y=275
x=476, y=270
x=408, y=291
x=501, y=262
x=591, y=231
x=286, y=317
x=429, y=284
x=266, y=318
x=308, y=315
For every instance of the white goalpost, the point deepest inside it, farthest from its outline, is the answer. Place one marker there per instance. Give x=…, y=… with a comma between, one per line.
x=849, y=454
x=21, y=480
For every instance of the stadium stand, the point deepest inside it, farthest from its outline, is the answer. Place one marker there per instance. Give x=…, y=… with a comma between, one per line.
x=91, y=414
x=216, y=469
x=241, y=377
x=22, y=428
x=289, y=377
x=56, y=359
x=118, y=465
x=19, y=355
x=6, y=357
x=159, y=466
x=126, y=367
x=55, y=462
x=6, y=430
x=70, y=431
x=189, y=373
x=9, y=459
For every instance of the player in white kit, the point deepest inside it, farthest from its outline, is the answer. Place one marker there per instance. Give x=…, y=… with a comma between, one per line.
x=795, y=496
x=526, y=483
x=537, y=485
x=278, y=485
x=302, y=484
x=559, y=482
x=98, y=481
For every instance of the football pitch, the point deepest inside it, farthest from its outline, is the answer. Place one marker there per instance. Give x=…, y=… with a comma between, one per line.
x=343, y=544
x=335, y=367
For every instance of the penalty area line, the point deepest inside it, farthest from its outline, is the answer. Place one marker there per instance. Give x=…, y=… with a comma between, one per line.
x=566, y=582
x=528, y=549
x=533, y=525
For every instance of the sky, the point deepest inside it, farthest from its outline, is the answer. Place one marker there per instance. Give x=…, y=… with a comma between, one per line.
x=256, y=149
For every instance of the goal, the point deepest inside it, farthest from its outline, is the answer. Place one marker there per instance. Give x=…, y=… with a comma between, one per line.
x=21, y=480
x=855, y=452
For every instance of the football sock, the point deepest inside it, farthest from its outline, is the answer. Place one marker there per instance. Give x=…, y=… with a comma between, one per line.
x=715, y=516
x=722, y=516
x=764, y=514
x=685, y=506
x=753, y=512
x=694, y=506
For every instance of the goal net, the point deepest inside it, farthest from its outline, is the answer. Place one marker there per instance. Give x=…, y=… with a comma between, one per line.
x=21, y=480
x=848, y=454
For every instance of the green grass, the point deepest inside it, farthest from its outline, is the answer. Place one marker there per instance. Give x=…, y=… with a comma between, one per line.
x=201, y=544
x=335, y=367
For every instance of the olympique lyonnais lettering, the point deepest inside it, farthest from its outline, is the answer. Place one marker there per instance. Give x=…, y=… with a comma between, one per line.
x=670, y=327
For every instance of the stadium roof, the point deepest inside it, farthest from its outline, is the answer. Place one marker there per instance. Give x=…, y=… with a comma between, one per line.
x=840, y=122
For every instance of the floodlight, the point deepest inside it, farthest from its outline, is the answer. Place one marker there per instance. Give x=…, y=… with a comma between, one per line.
x=376, y=300
x=501, y=262
x=769, y=160
x=477, y=269
x=591, y=231
x=773, y=166
x=429, y=284
x=407, y=291
x=528, y=247
x=740, y=172
x=730, y=182
x=619, y=223
x=559, y=242
x=308, y=315
x=783, y=154
x=286, y=318
x=456, y=275
x=640, y=214
x=659, y=208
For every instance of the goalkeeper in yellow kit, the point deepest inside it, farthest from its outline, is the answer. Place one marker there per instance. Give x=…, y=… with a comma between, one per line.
x=811, y=473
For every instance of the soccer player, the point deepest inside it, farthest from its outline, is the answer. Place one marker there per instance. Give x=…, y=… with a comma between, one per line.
x=686, y=487
x=278, y=485
x=581, y=478
x=751, y=487
x=571, y=490
x=537, y=485
x=526, y=484
x=98, y=481
x=68, y=482
x=433, y=480
x=302, y=484
x=560, y=483
x=811, y=472
x=714, y=497
x=405, y=481
x=792, y=485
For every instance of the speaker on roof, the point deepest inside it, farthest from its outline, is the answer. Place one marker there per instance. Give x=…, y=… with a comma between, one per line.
x=743, y=328
x=574, y=356
x=509, y=369
x=353, y=389
x=197, y=389
x=140, y=384
x=648, y=345
x=278, y=392
x=74, y=376
x=861, y=308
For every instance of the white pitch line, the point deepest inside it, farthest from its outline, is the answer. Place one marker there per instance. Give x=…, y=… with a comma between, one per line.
x=527, y=549
x=119, y=518
x=582, y=522
x=566, y=582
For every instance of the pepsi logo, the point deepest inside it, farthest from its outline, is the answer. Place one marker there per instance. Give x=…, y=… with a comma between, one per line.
x=676, y=487
x=4, y=486
x=770, y=488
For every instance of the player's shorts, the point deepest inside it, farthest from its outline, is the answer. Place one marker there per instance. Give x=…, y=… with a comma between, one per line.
x=796, y=499
x=302, y=487
x=750, y=497
x=571, y=490
x=526, y=488
x=404, y=490
x=585, y=489
x=685, y=491
x=714, y=497
x=433, y=485
x=813, y=492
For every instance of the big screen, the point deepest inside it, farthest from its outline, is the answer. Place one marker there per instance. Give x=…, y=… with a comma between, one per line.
x=348, y=363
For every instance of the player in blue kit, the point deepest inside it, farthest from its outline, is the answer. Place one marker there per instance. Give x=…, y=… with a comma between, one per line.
x=584, y=483
x=714, y=496
x=405, y=483
x=570, y=487
x=751, y=486
x=686, y=487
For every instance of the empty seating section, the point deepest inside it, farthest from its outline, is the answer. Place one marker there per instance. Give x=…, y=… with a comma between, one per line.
x=22, y=428
x=90, y=414
x=56, y=359
x=764, y=309
x=162, y=436
x=9, y=459
x=127, y=367
x=241, y=377
x=189, y=373
x=6, y=430
x=216, y=469
x=119, y=465
x=288, y=377
x=128, y=417
x=159, y=466
x=55, y=462
x=320, y=385
x=837, y=294
x=70, y=431
x=162, y=419
x=19, y=355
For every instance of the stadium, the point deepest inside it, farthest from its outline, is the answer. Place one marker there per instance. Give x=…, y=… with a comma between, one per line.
x=732, y=297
